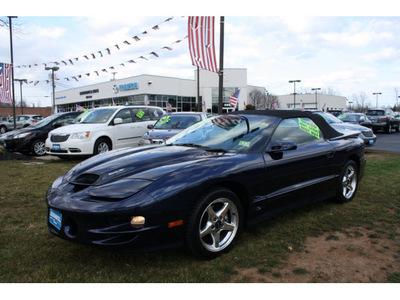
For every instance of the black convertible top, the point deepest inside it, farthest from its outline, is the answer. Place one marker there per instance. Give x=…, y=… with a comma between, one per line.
x=328, y=131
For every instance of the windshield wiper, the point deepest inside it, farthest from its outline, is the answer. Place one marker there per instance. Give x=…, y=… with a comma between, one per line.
x=189, y=145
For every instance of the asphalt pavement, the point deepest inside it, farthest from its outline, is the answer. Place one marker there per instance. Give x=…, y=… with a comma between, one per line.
x=387, y=142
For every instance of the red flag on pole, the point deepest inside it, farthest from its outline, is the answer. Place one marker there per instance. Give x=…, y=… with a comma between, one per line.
x=201, y=42
x=5, y=83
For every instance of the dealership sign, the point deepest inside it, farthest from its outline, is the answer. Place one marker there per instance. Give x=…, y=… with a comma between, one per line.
x=125, y=87
x=128, y=86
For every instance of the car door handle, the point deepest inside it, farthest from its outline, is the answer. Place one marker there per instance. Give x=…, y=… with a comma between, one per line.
x=329, y=154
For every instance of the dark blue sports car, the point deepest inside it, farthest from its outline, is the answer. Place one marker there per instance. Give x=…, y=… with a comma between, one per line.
x=207, y=183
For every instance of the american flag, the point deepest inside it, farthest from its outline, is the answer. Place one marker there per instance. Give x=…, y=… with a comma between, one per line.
x=5, y=83
x=79, y=108
x=169, y=107
x=227, y=122
x=201, y=42
x=234, y=98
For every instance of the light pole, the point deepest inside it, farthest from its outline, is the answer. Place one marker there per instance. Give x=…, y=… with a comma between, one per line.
x=294, y=91
x=53, y=69
x=20, y=90
x=376, y=98
x=316, y=99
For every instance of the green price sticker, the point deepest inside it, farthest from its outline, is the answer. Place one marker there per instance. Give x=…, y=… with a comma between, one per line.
x=165, y=120
x=244, y=144
x=309, y=127
x=140, y=114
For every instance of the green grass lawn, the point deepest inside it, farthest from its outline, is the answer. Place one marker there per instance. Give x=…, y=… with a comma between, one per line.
x=29, y=253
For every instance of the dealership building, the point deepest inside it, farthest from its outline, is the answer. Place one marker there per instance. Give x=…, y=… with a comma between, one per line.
x=180, y=94
x=160, y=91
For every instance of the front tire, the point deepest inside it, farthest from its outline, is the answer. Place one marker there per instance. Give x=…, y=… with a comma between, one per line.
x=348, y=184
x=215, y=224
x=102, y=145
x=3, y=129
x=38, y=148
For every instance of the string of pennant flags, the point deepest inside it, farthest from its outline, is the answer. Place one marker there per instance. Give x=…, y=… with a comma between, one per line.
x=99, y=53
x=123, y=64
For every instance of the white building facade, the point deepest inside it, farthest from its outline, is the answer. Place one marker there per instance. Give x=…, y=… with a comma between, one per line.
x=312, y=102
x=179, y=94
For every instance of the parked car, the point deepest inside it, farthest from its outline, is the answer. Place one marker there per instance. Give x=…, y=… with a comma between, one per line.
x=383, y=119
x=356, y=118
x=338, y=112
x=32, y=139
x=103, y=129
x=20, y=122
x=365, y=133
x=169, y=125
x=206, y=184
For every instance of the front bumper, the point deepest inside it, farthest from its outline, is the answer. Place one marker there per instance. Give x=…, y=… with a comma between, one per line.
x=69, y=148
x=18, y=145
x=107, y=223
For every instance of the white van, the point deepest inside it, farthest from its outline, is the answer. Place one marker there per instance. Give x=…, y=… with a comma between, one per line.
x=103, y=129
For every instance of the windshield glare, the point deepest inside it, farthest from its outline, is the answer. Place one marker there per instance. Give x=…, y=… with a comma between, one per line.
x=349, y=118
x=330, y=118
x=45, y=121
x=177, y=121
x=231, y=133
x=98, y=115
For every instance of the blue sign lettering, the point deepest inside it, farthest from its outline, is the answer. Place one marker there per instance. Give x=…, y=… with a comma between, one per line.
x=128, y=86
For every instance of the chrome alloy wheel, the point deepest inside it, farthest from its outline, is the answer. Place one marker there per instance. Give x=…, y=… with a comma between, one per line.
x=103, y=147
x=219, y=224
x=39, y=148
x=349, y=182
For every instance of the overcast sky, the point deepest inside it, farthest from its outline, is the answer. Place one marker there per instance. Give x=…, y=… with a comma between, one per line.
x=349, y=51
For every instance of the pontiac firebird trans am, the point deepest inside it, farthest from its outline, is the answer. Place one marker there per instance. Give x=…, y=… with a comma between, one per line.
x=205, y=184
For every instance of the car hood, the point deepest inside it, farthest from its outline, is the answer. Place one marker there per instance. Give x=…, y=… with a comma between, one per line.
x=146, y=163
x=79, y=127
x=11, y=134
x=163, y=134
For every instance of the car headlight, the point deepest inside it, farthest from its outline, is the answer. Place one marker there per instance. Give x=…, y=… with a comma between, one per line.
x=144, y=142
x=22, y=135
x=80, y=135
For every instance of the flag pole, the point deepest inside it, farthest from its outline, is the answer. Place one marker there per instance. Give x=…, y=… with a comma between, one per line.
x=12, y=70
x=221, y=65
x=199, y=106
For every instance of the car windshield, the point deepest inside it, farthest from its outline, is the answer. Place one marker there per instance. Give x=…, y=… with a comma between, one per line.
x=45, y=121
x=177, y=121
x=375, y=113
x=228, y=133
x=98, y=115
x=329, y=118
x=82, y=116
x=349, y=118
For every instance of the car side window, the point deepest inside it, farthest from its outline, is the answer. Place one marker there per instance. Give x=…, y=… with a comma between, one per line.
x=299, y=130
x=125, y=115
x=140, y=114
x=155, y=113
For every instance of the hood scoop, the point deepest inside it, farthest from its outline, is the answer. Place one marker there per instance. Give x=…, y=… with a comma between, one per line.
x=86, y=179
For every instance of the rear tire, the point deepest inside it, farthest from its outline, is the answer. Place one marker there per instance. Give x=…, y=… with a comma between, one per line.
x=348, y=182
x=215, y=224
x=3, y=129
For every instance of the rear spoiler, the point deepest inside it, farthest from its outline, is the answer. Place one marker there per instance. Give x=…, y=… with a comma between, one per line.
x=348, y=134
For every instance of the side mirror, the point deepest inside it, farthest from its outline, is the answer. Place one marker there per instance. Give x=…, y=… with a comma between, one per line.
x=117, y=121
x=281, y=145
x=150, y=126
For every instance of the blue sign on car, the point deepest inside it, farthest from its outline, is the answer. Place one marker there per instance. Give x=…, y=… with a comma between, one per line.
x=55, y=218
